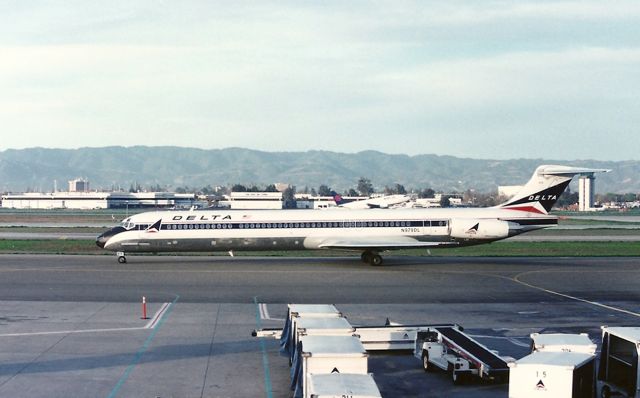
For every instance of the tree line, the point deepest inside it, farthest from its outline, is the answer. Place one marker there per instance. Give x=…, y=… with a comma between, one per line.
x=364, y=187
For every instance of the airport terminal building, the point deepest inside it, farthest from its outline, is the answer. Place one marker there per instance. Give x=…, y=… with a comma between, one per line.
x=96, y=200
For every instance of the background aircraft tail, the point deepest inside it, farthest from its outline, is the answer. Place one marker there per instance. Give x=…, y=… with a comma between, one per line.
x=337, y=198
x=545, y=187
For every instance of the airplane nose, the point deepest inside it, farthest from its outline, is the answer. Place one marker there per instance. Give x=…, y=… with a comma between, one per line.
x=101, y=241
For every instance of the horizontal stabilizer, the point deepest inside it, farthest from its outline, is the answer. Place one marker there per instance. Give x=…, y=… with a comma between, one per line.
x=567, y=170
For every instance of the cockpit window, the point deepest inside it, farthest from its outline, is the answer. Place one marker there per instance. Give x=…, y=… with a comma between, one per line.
x=128, y=224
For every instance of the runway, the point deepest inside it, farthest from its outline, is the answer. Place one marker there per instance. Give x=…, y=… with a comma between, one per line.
x=79, y=315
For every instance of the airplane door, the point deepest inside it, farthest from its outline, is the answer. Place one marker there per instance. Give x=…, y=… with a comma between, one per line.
x=438, y=227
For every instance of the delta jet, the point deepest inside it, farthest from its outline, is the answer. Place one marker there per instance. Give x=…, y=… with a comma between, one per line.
x=382, y=202
x=368, y=231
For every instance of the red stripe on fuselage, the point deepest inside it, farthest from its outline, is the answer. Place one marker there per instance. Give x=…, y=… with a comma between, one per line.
x=530, y=209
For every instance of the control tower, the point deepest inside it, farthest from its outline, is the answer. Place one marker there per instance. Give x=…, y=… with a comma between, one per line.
x=586, y=189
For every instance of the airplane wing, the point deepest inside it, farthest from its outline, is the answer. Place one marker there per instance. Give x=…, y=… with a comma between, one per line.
x=380, y=243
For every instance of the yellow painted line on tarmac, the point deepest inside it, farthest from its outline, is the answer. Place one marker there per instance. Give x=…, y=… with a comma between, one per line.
x=517, y=279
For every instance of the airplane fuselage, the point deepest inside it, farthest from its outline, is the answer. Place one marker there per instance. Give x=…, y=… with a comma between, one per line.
x=369, y=231
x=219, y=230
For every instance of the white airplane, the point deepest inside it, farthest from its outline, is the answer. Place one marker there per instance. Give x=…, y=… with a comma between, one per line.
x=369, y=231
x=382, y=202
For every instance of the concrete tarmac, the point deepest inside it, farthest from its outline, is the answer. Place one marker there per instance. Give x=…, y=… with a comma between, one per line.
x=70, y=325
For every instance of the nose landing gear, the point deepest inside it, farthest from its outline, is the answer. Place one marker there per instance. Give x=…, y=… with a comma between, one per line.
x=121, y=258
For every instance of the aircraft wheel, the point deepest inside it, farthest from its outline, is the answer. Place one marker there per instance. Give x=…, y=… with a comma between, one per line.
x=122, y=259
x=376, y=260
x=426, y=366
x=366, y=257
x=605, y=392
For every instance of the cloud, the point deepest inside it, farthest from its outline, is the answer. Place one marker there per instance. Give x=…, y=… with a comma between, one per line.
x=520, y=78
x=341, y=76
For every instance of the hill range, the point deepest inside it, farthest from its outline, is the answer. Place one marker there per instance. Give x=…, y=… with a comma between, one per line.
x=36, y=169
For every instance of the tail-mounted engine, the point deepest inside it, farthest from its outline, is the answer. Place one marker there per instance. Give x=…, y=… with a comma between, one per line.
x=482, y=229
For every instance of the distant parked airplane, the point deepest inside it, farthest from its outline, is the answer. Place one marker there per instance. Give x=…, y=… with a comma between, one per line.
x=369, y=231
x=382, y=202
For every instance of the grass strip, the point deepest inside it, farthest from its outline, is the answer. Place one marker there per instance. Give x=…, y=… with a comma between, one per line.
x=49, y=246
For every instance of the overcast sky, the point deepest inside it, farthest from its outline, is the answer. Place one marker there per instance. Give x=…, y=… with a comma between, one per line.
x=494, y=79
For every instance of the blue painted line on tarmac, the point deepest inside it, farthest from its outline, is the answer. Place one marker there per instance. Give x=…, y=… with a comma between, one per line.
x=263, y=348
x=141, y=351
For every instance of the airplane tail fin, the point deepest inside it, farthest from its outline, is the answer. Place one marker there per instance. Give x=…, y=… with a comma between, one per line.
x=545, y=187
x=337, y=198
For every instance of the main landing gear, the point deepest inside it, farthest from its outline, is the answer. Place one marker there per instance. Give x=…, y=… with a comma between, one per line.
x=371, y=257
x=121, y=258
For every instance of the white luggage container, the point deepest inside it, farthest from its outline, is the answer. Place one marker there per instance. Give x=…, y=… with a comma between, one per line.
x=296, y=311
x=326, y=355
x=553, y=375
x=322, y=327
x=560, y=342
x=340, y=385
x=619, y=361
x=312, y=310
x=318, y=327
